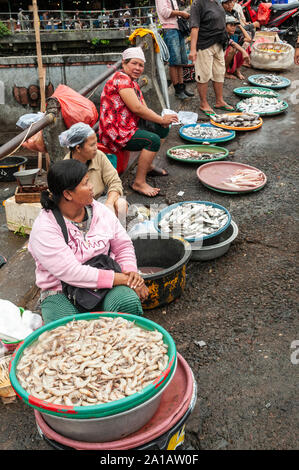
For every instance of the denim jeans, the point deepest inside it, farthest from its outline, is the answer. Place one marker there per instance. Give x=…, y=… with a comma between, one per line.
x=175, y=42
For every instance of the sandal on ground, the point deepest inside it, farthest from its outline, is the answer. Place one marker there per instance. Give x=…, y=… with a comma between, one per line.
x=225, y=108
x=207, y=113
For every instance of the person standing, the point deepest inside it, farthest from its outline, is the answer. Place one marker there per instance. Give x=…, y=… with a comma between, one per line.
x=168, y=13
x=208, y=42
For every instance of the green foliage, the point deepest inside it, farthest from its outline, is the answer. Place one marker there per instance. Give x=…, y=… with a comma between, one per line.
x=4, y=31
x=100, y=42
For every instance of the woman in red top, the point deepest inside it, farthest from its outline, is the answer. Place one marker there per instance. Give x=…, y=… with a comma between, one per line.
x=122, y=105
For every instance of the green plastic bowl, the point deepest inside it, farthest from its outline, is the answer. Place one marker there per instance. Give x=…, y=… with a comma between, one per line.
x=199, y=148
x=268, y=113
x=106, y=409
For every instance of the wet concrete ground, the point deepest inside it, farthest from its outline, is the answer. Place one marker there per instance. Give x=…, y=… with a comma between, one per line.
x=242, y=305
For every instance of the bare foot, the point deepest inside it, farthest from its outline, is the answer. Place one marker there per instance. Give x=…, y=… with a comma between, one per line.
x=231, y=76
x=145, y=189
x=239, y=75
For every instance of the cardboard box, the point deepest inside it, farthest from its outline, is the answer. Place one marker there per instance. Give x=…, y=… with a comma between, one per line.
x=20, y=217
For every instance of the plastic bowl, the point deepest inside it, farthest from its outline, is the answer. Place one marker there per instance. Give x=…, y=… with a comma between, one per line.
x=107, y=409
x=211, y=149
x=9, y=165
x=218, y=248
x=231, y=135
x=171, y=255
x=26, y=177
x=108, y=428
x=161, y=214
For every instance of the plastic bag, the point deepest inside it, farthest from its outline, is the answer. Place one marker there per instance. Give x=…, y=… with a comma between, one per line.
x=263, y=13
x=36, y=143
x=75, y=107
x=12, y=322
x=272, y=56
x=27, y=119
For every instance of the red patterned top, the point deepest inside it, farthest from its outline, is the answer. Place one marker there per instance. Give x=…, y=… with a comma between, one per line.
x=117, y=123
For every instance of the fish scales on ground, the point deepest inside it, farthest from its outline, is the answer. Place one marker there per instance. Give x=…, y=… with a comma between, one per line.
x=190, y=154
x=85, y=363
x=258, y=104
x=193, y=220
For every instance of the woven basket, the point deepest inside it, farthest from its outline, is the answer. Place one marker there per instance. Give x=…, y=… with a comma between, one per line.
x=6, y=390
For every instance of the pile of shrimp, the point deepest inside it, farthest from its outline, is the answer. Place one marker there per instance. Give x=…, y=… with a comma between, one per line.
x=84, y=363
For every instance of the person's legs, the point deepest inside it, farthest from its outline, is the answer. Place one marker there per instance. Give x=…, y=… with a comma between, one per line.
x=203, y=92
x=218, y=73
x=55, y=307
x=203, y=74
x=230, y=63
x=172, y=38
x=122, y=299
x=149, y=144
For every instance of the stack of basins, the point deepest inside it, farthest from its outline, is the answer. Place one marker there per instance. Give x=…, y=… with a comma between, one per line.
x=207, y=226
x=102, y=422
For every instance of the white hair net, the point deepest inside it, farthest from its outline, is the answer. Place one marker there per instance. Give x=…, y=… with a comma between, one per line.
x=75, y=135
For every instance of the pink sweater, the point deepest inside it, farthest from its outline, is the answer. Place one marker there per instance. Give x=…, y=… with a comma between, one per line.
x=164, y=9
x=56, y=261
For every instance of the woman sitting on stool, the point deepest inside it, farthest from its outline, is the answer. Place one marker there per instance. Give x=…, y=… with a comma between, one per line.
x=92, y=230
x=122, y=105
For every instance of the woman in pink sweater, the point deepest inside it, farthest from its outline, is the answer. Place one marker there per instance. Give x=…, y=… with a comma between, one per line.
x=92, y=230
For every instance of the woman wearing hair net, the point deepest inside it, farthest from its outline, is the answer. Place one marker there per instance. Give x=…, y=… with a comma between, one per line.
x=81, y=140
x=122, y=105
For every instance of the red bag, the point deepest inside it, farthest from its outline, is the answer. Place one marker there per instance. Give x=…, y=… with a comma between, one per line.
x=263, y=13
x=122, y=157
x=36, y=143
x=75, y=107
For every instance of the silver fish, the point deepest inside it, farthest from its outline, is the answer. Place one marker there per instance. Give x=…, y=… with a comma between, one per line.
x=193, y=220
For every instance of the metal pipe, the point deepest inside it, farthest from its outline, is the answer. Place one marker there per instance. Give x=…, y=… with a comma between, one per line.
x=10, y=146
x=84, y=91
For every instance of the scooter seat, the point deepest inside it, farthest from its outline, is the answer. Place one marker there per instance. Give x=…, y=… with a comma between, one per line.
x=284, y=6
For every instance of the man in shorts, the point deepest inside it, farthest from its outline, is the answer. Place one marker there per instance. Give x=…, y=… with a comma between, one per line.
x=168, y=12
x=208, y=42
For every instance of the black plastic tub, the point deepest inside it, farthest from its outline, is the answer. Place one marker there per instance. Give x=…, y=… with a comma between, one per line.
x=9, y=165
x=171, y=255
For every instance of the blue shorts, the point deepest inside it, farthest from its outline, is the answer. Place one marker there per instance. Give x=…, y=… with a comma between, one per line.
x=175, y=42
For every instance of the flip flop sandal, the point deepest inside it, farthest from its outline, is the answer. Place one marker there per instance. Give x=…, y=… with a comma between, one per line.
x=225, y=108
x=207, y=113
x=157, y=172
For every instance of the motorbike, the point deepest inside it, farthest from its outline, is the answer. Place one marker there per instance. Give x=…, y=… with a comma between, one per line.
x=284, y=18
